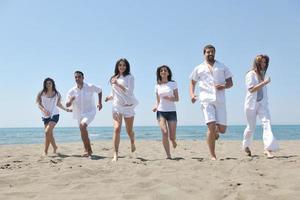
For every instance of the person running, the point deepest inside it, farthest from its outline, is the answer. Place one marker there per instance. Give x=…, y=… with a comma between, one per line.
x=124, y=102
x=213, y=77
x=166, y=95
x=48, y=100
x=256, y=104
x=81, y=98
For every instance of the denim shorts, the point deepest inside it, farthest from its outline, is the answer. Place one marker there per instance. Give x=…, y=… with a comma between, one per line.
x=54, y=118
x=168, y=116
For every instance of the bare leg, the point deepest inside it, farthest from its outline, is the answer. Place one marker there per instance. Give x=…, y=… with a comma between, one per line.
x=52, y=140
x=129, y=130
x=165, y=139
x=172, y=130
x=117, y=118
x=85, y=139
x=220, y=129
x=211, y=135
x=47, y=139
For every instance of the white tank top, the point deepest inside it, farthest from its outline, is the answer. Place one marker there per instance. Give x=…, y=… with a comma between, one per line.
x=50, y=104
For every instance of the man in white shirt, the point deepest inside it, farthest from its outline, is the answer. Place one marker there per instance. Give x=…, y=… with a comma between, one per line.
x=81, y=97
x=213, y=77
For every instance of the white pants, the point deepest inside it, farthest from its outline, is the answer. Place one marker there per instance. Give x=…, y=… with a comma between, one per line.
x=263, y=113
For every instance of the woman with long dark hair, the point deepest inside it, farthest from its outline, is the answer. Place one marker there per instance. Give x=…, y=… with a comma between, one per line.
x=256, y=104
x=124, y=102
x=166, y=96
x=48, y=99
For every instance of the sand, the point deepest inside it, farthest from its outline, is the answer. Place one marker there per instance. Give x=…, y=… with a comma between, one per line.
x=25, y=174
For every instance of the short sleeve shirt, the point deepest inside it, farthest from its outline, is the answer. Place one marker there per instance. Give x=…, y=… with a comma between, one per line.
x=84, y=103
x=166, y=89
x=207, y=81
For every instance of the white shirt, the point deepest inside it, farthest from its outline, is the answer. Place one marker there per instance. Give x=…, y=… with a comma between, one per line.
x=208, y=80
x=121, y=97
x=251, y=98
x=166, y=89
x=84, y=103
x=50, y=104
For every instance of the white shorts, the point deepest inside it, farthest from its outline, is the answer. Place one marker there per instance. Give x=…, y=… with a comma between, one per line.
x=126, y=111
x=214, y=112
x=87, y=119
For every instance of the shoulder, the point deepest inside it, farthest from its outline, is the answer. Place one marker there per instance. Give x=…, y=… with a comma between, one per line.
x=73, y=89
x=220, y=64
x=172, y=83
x=250, y=73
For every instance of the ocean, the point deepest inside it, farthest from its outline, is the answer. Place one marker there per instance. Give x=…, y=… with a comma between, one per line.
x=72, y=134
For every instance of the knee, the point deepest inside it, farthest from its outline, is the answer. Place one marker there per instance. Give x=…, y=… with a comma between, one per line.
x=82, y=127
x=164, y=132
x=222, y=130
x=117, y=129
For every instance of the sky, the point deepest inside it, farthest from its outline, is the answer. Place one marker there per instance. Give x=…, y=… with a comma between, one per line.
x=41, y=38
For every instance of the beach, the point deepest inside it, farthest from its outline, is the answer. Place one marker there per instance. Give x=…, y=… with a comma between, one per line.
x=146, y=174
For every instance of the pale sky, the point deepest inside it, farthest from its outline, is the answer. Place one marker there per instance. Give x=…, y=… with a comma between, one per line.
x=42, y=39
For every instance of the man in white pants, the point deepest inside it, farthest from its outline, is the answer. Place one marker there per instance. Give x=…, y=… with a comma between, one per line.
x=213, y=77
x=81, y=97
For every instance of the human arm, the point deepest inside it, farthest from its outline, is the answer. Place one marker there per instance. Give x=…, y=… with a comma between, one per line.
x=260, y=85
x=40, y=105
x=192, y=91
x=99, y=106
x=228, y=84
x=60, y=105
x=154, y=109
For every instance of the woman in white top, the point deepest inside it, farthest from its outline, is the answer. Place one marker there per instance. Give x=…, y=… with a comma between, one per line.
x=166, y=96
x=124, y=102
x=48, y=100
x=256, y=104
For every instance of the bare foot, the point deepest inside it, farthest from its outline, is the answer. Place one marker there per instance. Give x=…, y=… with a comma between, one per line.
x=248, y=152
x=133, y=148
x=174, y=143
x=115, y=158
x=213, y=158
x=169, y=158
x=54, y=149
x=268, y=154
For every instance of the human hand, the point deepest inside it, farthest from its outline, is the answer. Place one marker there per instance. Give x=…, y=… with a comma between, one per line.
x=220, y=86
x=194, y=98
x=170, y=98
x=267, y=80
x=108, y=98
x=154, y=109
x=46, y=112
x=99, y=106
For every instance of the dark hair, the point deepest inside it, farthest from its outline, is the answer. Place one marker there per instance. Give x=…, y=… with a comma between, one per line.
x=79, y=72
x=257, y=64
x=158, y=78
x=45, y=85
x=127, y=70
x=209, y=46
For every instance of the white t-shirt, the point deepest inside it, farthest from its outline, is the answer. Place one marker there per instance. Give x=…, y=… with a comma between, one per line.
x=84, y=104
x=208, y=80
x=50, y=104
x=121, y=97
x=166, y=89
x=251, y=98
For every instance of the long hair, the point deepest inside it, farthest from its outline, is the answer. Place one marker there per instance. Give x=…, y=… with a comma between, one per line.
x=158, y=77
x=45, y=85
x=126, y=72
x=257, y=65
